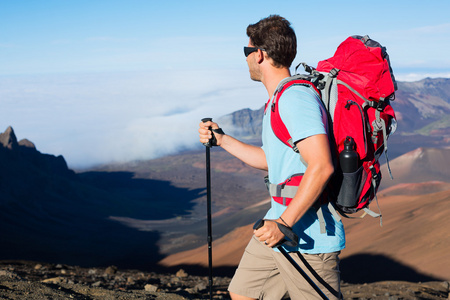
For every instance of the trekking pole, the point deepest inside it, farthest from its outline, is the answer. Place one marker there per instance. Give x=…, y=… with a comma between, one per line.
x=300, y=270
x=208, y=145
x=284, y=229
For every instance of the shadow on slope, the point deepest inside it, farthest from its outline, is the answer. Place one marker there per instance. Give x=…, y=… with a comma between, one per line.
x=71, y=224
x=367, y=268
x=145, y=198
x=67, y=219
x=87, y=243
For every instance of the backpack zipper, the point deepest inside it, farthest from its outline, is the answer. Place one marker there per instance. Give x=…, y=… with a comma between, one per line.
x=363, y=119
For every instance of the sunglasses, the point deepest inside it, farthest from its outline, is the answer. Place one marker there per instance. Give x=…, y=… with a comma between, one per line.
x=250, y=50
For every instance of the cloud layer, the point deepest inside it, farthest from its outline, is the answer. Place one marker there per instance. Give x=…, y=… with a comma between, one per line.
x=102, y=117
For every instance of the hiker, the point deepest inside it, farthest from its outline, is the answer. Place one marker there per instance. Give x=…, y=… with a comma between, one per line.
x=263, y=271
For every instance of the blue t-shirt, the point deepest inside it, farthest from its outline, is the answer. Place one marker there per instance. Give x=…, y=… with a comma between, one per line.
x=304, y=116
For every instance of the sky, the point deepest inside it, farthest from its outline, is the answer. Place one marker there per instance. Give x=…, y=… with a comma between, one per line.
x=112, y=81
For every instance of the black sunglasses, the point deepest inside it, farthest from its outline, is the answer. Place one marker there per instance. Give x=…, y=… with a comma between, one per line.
x=250, y=50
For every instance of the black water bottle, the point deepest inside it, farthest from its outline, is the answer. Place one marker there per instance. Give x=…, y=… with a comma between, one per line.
x=348, y=158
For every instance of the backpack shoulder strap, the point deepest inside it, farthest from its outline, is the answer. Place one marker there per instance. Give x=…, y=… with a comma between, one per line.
x=278, y=127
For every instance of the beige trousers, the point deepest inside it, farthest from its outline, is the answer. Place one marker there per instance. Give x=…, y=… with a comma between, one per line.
x=266, y=274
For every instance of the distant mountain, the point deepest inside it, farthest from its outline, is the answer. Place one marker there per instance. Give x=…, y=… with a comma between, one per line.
x=420, y=165
x=422, y=109
x=245, y=123
x=422, y=102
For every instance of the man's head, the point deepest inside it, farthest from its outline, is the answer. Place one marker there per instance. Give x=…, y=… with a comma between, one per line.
x=275, y=35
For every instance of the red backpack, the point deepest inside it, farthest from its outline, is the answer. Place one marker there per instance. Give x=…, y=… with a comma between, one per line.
x=356, y=86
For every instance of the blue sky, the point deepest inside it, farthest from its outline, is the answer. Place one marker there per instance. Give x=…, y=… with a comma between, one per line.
x=78, y=36
x=100, y=81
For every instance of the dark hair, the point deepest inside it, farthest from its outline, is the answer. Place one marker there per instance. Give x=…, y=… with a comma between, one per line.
x=276, y=36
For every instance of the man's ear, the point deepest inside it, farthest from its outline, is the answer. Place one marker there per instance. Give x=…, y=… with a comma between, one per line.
x=260, y=56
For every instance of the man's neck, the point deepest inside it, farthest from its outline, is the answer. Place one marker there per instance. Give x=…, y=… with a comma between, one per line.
x=272, y=78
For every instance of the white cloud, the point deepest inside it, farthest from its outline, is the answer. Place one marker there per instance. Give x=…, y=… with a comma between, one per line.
x=97, y=118
x=419, y=76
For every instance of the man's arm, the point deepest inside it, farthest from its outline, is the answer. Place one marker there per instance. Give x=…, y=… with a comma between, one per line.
x=315, y=151
x=251, y=155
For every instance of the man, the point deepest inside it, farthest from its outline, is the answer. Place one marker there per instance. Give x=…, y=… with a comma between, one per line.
x=263, y=271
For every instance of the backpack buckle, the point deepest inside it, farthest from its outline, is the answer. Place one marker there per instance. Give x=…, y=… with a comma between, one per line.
x=333, y=72
x=374, y=172
x=380, y=104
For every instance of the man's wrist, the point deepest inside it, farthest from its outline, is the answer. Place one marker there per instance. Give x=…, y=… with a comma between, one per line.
x=285, y=223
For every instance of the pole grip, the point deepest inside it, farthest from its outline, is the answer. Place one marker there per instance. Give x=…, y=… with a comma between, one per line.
x=211, y=141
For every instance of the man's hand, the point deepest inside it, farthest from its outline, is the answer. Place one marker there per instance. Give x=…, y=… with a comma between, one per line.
x=253, y=156
x=269, y=234
x=205, y=133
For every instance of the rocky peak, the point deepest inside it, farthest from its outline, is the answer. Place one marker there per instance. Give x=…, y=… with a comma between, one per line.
x=244, y=123
x=8, y=139
x=23, y=156
x=26, y=143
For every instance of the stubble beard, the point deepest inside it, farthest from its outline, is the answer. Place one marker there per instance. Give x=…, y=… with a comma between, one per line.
x=254, y=78
x=255, y=74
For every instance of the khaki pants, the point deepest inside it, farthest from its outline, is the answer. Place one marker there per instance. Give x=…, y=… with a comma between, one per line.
x=266, y=274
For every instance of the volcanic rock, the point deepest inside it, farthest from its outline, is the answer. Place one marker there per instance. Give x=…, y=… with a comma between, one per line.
x=22, y=280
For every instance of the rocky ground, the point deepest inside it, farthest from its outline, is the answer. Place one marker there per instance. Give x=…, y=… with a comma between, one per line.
x=31, y=280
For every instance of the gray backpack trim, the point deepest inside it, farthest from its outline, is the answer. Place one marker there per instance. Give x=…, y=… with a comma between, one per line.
x=321, y=218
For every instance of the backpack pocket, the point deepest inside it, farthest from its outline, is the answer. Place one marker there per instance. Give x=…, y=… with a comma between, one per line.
x=350, y=189
x=358, y=188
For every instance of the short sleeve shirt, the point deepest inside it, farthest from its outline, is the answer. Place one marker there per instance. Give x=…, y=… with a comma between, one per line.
x=304, y=116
